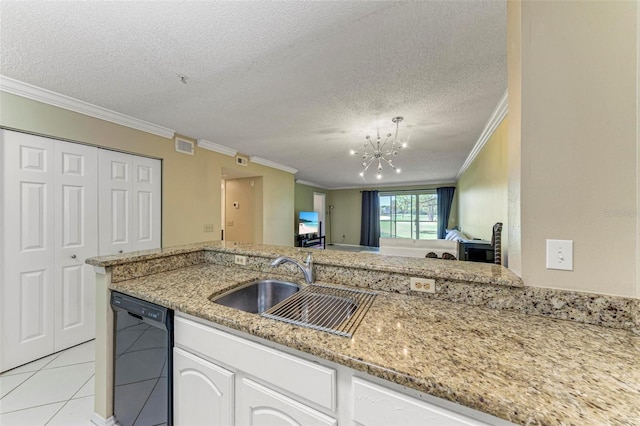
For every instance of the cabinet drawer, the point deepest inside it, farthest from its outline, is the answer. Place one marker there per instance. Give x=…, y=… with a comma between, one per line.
x=306, y=379
x=375, y=405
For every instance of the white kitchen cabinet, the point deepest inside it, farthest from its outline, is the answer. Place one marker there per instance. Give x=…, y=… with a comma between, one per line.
x=375, y=405
x=276, y=367
x=203, y=392
x=129, y=191
x=258, y=405
x=287, y=387
x=271, y=387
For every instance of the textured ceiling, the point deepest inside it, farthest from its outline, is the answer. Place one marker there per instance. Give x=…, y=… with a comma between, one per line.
x=297, y=83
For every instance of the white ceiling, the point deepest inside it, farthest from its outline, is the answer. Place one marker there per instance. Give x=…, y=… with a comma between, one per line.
x=297, y=83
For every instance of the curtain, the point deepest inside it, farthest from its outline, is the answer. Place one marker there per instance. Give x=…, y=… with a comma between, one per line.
x=445, y=199
x=370, y=224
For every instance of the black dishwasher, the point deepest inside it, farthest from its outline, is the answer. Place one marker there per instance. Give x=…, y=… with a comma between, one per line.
x=143, y=362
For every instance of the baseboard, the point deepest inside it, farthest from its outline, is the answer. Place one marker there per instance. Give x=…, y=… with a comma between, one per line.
x=98, y=420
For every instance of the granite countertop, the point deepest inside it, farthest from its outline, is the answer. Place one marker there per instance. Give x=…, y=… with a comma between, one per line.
x=472, y=272
x=526, y=369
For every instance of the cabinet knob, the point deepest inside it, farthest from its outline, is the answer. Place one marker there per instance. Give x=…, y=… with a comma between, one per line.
x=73, y=256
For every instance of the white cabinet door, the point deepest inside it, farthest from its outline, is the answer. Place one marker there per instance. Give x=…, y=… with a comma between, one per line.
x=203, y=392
x=76, y=239
x=258, y=405
x=27, y=289
x=129, y=198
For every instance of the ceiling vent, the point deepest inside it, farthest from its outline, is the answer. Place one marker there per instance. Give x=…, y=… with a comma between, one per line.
x=184, y=146
x=242, y=161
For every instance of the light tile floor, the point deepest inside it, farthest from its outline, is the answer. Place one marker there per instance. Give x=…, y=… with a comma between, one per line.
x=55, y=391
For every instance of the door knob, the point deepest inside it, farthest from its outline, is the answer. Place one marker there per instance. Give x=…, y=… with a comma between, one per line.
x=73, y=256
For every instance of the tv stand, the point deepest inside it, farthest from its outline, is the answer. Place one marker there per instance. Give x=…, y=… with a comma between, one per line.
x=310, y=241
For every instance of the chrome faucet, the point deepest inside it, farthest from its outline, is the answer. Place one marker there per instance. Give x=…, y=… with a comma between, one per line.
x=307, y=268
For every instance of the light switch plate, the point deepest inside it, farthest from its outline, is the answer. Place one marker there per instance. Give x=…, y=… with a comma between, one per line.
x=560, y=254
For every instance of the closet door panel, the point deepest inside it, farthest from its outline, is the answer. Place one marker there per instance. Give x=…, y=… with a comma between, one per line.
x=129, y=202
x=26, y=290
x=76, y=206
x=115, y=198
x=146, y=208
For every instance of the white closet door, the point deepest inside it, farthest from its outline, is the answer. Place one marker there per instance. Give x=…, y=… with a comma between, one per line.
x=146, y=203
x=28, y=282
x=129, y=202
x=76, y=206
x=114, y=188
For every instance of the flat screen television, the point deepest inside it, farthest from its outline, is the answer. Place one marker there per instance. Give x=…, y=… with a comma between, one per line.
x=308, y=223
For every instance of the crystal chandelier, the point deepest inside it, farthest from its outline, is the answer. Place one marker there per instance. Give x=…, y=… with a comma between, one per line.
x=380, y=152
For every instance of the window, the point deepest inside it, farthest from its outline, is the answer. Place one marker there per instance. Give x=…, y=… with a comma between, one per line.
x=409, y=214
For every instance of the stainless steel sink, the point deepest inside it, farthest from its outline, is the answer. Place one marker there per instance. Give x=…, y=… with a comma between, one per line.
x=257, y=296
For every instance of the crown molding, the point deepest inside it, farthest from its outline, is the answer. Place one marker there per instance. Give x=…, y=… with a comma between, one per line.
x=498, y=114
x=396, y=185
x=264, y=162
x=212, y=146
x=29, y=91
x=306, y=182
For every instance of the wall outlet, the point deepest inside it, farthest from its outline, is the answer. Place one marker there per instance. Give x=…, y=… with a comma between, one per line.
x=560, y=254
x=209, y=227
x=240, y=260
x=425, y=285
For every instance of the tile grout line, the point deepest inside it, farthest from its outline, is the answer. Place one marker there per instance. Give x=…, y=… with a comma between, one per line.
x=83, y=385
x=43, y=368
x=33, y=406
x=71, y=398
x=32, y=373
x=57, y=354
x=56, y=413
x=70, y=365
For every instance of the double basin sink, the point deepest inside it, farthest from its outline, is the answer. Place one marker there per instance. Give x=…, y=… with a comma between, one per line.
x=321, y=307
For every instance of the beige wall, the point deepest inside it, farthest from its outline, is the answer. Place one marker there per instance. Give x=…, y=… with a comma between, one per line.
x=345, y=228
x=277, y=219
x=190, y=185
x=579, y=147
x=482, y=188
x=243, y=223
x=346, y=214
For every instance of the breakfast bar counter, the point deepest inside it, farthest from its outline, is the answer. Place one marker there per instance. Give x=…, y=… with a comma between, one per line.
x=527, y=369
